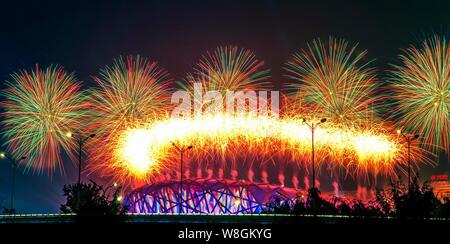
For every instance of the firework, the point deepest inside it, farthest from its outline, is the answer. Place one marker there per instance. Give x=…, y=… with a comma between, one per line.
x=334, y=81
x=40, y=108
x=279, y=140
x=228, y=69
x=131, y=92
x=229, y=72
x=421, y=87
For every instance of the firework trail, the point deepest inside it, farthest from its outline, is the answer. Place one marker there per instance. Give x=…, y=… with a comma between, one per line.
x=334, y=82
x=421, y=85
x=365, y=151
x=40, y=108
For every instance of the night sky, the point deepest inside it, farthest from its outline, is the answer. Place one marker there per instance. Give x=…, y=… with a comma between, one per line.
x=84, y=37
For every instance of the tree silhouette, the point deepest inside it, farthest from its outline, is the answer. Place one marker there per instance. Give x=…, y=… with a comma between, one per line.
x=315, y=204
x=415, y=202
x=92, y=203
x=444, y=211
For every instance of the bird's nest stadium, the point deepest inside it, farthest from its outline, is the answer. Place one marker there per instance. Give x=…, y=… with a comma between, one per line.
x=207, y=196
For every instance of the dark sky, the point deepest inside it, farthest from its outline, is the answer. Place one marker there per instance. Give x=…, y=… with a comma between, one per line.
x=84, y=36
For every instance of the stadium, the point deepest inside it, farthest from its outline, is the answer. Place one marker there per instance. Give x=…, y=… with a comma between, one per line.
x=207, y=196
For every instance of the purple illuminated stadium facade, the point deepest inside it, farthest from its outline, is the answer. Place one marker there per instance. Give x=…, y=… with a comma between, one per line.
x=207, y=196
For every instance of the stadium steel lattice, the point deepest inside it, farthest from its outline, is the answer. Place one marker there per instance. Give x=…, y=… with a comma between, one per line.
x=210, y=196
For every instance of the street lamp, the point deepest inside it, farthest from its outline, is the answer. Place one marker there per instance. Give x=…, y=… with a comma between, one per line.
x=409, y=139
x=14, y=164
x=313, y=126
x=181, y=151
x=80, y=140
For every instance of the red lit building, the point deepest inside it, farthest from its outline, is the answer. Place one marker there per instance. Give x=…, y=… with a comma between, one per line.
x=441, y=186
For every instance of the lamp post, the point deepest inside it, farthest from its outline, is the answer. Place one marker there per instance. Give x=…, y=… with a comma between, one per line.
x=14, y=164
x=181, y=151
x=409, y=139
x=313, y=126
x=80, y=140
